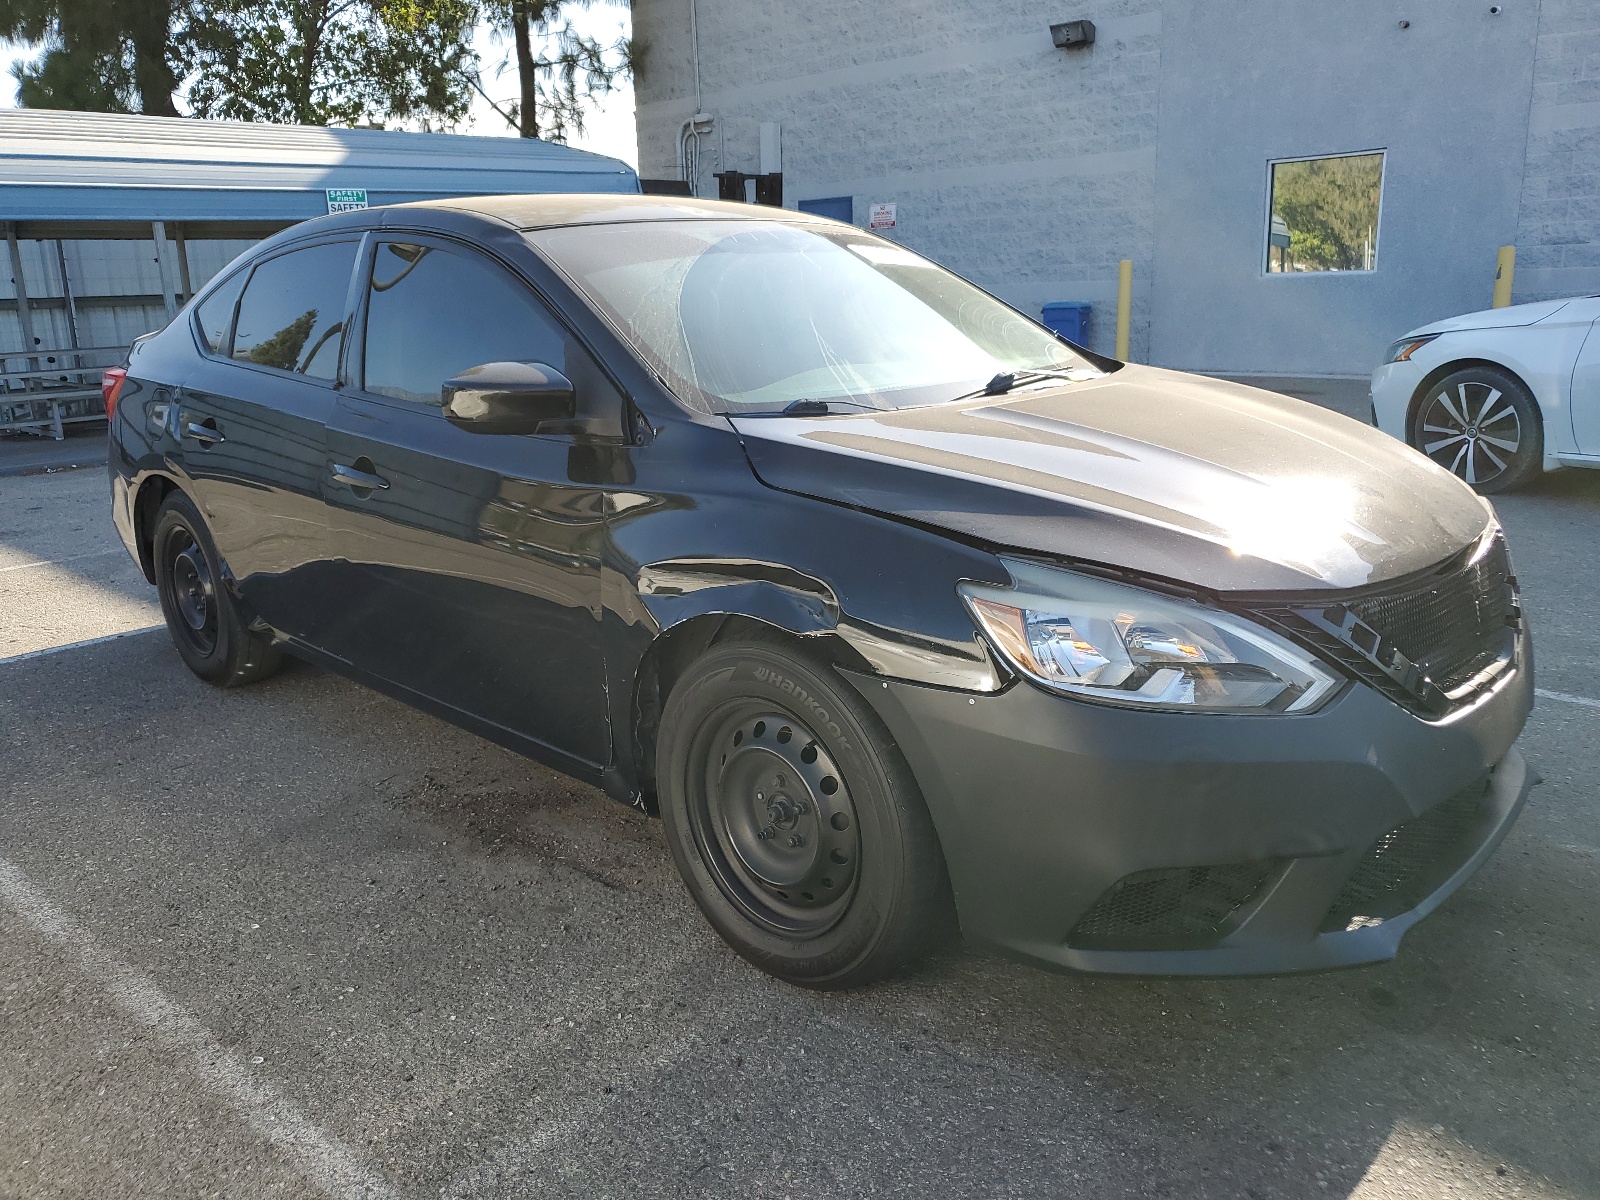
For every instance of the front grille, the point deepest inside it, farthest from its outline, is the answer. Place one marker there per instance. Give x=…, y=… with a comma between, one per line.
x=1406, y=864
x=1419, y=643
x=1452, y=627
x=1174, y=908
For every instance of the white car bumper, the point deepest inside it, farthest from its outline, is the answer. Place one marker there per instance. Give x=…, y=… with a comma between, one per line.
x=1393, y=385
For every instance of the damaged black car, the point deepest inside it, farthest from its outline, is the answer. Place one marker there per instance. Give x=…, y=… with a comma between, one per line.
x=900, y=610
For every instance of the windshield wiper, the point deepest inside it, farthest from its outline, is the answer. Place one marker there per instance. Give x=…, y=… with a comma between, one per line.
x=1006, y=380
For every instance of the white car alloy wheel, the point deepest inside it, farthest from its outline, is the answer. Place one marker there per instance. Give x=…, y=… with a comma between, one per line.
x=1480, y=425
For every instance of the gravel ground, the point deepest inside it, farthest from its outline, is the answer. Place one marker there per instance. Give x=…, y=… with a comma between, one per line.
x=299, y=940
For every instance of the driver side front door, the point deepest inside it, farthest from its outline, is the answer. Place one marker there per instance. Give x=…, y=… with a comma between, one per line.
x=1586, y=394
x=470, y=561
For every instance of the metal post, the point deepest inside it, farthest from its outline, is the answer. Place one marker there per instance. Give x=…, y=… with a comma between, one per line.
x=25, y=319
x=24, y=309
x=158, y=230
x=1124, y=305
x=182, y=244
x=66, y=294
x=1505, y=264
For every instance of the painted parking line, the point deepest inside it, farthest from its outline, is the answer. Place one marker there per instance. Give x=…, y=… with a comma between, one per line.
x=333, y=1166
x=51, y=562
x=110, y=637
x=1566, y=698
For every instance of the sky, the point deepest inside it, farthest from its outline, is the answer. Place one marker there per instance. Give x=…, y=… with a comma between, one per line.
x=609, y=127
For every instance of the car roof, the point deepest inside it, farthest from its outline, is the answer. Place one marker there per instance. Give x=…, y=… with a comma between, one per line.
x=570, y=208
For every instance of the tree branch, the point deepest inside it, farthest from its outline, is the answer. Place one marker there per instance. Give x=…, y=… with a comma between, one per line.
x=472, y=78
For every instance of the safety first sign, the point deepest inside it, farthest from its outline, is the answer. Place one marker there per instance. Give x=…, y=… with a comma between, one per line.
x=346, y=199
x=880, y=216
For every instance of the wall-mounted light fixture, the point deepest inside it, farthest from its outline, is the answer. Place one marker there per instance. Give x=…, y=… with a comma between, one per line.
x=1072, y=35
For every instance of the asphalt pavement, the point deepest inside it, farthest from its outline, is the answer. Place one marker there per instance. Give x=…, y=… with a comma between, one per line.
x=299, y=940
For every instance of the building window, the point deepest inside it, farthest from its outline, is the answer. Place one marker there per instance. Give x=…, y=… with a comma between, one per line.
x=1324, y=214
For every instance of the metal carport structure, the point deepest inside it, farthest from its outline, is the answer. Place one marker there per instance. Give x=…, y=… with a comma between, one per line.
x=112, y=222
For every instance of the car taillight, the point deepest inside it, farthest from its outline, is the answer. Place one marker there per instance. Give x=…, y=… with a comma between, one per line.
x=111, y=387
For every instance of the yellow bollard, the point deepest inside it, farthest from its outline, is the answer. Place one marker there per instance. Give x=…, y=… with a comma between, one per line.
x=1124, y=305
x=1505, y=262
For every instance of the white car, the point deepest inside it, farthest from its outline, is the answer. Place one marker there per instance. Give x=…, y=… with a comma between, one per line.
x=1498, y=396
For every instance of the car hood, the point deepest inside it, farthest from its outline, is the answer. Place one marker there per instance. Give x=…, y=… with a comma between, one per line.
x=1216, y=484
x=1513, y=317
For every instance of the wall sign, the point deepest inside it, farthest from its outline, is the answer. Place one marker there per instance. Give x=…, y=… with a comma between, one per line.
x=881, y=216
x=346, y=199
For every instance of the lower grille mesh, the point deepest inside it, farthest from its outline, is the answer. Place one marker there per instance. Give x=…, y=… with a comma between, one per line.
x=1174, y=908
x=1410, y=861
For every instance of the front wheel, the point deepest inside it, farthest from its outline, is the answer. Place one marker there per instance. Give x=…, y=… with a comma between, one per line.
x=1482, y=426
x=794, y=821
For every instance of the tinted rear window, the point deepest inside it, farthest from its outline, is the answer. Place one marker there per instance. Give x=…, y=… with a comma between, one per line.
x=216, y=314
x=292, y=313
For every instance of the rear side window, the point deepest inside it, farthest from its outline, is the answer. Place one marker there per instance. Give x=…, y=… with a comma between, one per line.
x=215, y=315
x=432, y=313
x=292, y=313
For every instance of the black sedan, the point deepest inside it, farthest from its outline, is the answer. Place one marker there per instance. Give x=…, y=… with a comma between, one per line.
x=896, y=607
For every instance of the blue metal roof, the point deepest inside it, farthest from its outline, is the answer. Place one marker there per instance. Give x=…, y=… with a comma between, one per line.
x=68, y=166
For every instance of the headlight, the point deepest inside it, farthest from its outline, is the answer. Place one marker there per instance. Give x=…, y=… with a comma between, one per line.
x=1402, y=350
x=1123, y=645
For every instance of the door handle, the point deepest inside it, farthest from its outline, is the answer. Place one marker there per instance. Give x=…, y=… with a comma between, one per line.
x=205, y=432
x=358, y=480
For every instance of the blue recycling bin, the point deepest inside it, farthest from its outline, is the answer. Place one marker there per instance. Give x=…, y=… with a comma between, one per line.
x=1069, y=318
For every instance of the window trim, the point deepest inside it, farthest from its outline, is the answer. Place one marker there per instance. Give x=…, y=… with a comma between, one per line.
x=1265, y=228
x=251, y=267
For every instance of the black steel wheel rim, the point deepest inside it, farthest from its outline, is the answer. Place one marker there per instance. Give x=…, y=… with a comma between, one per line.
x=1471, y=430
x=773, y=820
x=193, y=591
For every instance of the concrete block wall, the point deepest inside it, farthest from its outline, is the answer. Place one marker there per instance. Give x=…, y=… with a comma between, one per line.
x=1026, y=168
x=1558, y=223
x=1033, y=170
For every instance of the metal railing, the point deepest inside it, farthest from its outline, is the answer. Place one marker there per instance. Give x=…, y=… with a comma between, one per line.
x=43, y=391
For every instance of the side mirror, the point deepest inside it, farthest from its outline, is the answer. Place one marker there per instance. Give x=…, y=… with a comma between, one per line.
x=508, y=397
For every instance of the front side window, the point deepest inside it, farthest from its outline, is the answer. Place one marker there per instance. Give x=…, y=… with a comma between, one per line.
x=292, y=313
x=753, y=316
x=432, y=313
x=1324, y=214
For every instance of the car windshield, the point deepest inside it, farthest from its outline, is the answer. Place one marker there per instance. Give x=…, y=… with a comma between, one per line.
x=746, y=317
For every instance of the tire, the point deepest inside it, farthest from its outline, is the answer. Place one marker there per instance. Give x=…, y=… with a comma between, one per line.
x=1482, y=426
x=795, y=821
x=201, y=614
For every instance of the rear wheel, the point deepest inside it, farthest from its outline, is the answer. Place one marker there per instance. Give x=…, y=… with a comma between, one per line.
x=1481, y=425
x=794, y=821
x=210, y=635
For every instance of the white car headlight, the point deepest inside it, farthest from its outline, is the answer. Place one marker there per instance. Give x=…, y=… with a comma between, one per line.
x=1123, y=645
x=1402, y=350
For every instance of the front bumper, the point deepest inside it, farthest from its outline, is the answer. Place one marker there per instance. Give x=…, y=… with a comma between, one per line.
x=1043, y=804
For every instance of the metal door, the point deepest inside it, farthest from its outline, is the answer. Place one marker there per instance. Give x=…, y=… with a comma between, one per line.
x=469, y=562
x=1586, y=394
x=249, y=434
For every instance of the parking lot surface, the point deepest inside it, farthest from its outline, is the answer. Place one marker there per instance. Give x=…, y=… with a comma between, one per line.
x=299, y=940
